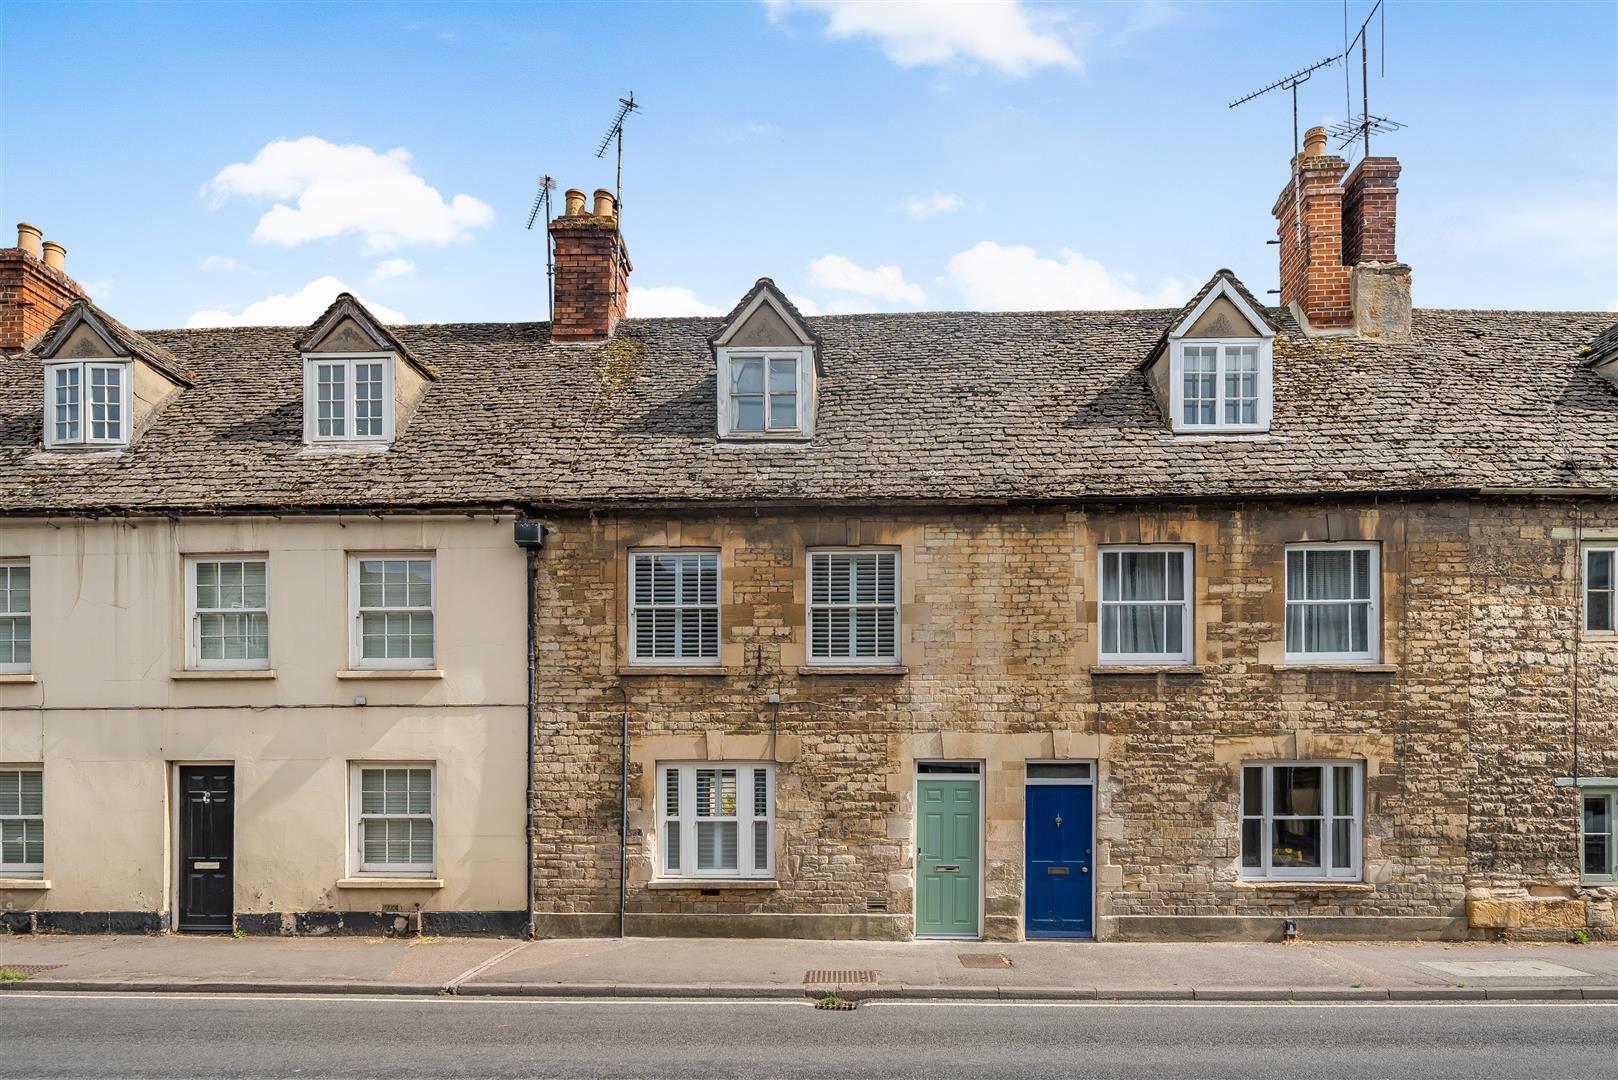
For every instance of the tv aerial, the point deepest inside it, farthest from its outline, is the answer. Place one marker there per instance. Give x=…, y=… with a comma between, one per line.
x=615, y=133
x=542, y=202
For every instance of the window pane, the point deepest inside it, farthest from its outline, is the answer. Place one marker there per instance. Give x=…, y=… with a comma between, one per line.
x=1110, y=617
x=1342, y=846
x=1342, y=790
x=1141, y=628
x=747, y=413
x=1295, y=843
x=1599, y=611
x=1253, y=843
x=783, y=376
x=783, y=411
x=1296, y=789
x=1327, y=628
x=1143, y=575
x=1329, y=575
x=671, y=847
x=747, y=376
x=1596, y=819
x=1252, y=791
x=1111, y=575
x=1295, y=561
x=1600, y=569
x=716, y=845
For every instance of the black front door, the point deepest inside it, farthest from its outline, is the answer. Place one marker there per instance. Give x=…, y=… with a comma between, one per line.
x=207, y=846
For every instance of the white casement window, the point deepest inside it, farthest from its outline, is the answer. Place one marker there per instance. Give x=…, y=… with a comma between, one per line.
x=674, y=607
x=87, y=403
x=1333, y=601
x=22, y=821
x=392, y=811
x=391, y=600
x=16, y=617
x=227, y=612
x=716, y=820
x=1302, y=820
x=1600, y=612
x=1145, y=608
x=348, y=398
x=1600, y=839
x=766, y=393
x=1221, y=385
x=853, y=607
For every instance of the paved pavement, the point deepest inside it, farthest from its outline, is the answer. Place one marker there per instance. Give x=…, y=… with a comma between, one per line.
x=229, y=1037
x=732, y=968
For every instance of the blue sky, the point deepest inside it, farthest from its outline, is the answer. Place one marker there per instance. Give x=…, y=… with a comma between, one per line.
x=209, y=163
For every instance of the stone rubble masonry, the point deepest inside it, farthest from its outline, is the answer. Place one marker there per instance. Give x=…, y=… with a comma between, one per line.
x=32, y=297
x=589, y=258
x=1463, y=728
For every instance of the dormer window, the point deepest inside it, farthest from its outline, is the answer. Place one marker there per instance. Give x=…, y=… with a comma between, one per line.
x=764, y=393
x=1220, y=387
x=1211, y=369
x=348, y=398
x=766, y=369
x=87, y=403
x=361, y=385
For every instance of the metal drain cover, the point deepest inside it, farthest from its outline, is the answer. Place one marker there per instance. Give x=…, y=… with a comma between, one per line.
x=840, y=976
x=984, y=960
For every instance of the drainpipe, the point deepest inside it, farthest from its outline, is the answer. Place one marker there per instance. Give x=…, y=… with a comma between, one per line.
x=530, y=536
x=623, y=813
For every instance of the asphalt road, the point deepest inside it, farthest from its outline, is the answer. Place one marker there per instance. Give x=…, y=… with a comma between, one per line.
x=226, y=1037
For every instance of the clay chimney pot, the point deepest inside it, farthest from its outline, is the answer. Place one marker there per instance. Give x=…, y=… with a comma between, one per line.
x=604, y=203
x=28, y=237
x=1314, y=142
x=55, y=256
x=574, y=202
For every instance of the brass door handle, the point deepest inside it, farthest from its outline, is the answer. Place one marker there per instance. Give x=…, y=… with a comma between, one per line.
x=1084, y=869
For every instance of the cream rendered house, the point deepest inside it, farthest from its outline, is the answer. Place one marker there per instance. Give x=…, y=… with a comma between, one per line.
x=262, y=650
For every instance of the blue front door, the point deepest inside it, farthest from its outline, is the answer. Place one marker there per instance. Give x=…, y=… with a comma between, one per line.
x=1060, y=838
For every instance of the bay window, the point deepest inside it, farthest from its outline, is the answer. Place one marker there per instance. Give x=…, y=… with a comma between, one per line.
x=1302, y=820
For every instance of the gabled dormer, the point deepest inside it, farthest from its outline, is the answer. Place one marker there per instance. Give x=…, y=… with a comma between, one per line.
x=103, y=382
x=768, y=368
x=360, y=384
x=1212, y=368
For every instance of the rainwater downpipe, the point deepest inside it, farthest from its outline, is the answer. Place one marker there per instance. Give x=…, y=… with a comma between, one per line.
x=623, y=811
x=530, y=536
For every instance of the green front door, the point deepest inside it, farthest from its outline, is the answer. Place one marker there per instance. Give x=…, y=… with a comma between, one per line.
x=947, y=865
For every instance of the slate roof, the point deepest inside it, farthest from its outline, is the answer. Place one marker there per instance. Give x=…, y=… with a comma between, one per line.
x=946, y=407
x=131, y=342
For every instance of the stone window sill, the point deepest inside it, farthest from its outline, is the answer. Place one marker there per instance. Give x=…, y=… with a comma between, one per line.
x=1147, y=669
x=712, y=883
x=28, y=883
x=696, y=670
x=853, y=669
x=1358, y=669
x=19, y=677
x=1305, y=884
x=390, y=883
x=224, y=673
x=391, y=673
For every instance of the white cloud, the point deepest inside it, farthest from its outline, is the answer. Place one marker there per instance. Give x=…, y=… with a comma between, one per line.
x=1000, y=33
x=345, y=189
x=292, y=309
x=997, y=277
x=662, y=300
x=880, y=282
x=392, y=268
x=922, y=207
x=220, y=262
x=806, y=307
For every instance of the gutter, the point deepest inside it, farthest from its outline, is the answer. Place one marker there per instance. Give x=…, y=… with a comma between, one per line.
x=530, y=536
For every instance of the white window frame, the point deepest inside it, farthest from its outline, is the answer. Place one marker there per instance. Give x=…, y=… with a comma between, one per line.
x=1610, y=794
x=1373, y=626
x=356, y=815
x=312, y=362
x=126, y=370
x=1224, y=346
x=1187, y=627
x=13, y=667
x=1610, y=550
x=26, y=869
x=637, y=605
x=803, y=427
x=685, y=821
x=194, y=660
x=809, y=607
x=1328, y=815
x=356, y=643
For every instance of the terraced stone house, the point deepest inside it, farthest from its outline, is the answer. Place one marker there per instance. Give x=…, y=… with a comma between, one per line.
x=1235, y=620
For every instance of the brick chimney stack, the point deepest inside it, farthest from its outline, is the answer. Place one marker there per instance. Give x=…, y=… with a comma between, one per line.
x=34, y=288
x=1312, y=272
x=592, y=269
x=1338, y=266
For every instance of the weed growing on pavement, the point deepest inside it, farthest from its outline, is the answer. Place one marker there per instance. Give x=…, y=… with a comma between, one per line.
x=12, y=975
